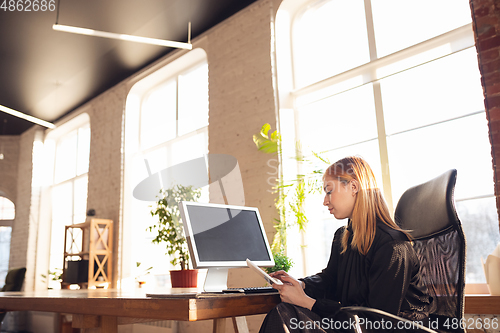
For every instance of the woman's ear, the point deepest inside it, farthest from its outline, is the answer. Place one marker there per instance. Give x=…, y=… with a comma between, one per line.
x=354, y=184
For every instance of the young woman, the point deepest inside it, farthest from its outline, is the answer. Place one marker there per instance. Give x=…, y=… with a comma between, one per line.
x=372, y=261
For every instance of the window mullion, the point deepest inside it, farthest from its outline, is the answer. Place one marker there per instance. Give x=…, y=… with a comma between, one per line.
x=382, y=144
x=177, y=107
x=379, y=110
x=370, y=30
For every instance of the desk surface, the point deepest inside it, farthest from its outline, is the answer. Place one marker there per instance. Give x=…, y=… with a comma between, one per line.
x=136, y=305
x=116, y=303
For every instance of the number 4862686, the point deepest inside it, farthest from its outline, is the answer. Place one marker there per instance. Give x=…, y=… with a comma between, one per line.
x=28, y=5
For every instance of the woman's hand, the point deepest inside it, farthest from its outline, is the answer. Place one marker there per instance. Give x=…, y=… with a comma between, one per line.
x=292, y=290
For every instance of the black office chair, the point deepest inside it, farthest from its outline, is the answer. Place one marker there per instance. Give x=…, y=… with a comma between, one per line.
x=13, y=282
x=428, y=212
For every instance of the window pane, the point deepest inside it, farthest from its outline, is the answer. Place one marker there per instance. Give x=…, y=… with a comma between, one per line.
x=189, y=148
x=158, y=159
x=66, y=151
x=440, y=90
x=400, y=24
x=80, y=200
x=480, y=223
x=193, y=100
x=83, y=150
x=338, y=121
x=7, y=209
x=369, y=151
x=329, y=38
x=62, y=214
x=158, y=115
x=418, y=156
x=322, y=225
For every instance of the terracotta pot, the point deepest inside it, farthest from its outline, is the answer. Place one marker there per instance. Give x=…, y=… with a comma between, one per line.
x=186, y=278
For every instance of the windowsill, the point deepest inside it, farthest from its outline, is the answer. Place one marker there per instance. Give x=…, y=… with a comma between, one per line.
x=478, y=300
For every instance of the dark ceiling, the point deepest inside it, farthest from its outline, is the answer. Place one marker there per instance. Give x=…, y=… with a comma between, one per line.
x=47, y=74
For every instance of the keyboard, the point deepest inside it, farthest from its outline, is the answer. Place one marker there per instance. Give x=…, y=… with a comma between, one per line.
x=250, y=290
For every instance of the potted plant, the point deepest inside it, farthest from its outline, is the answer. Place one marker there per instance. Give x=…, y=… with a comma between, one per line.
x=56, y=276
x=140, y=277
x=169, y=231
x=281, y=262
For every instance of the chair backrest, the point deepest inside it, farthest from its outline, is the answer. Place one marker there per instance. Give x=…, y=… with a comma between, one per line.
x=428, y=212
x=14, y=279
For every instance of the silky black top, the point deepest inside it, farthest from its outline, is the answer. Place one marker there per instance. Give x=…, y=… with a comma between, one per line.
x=386, y=278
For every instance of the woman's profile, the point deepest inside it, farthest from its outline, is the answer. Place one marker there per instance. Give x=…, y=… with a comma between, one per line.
x=372, y=261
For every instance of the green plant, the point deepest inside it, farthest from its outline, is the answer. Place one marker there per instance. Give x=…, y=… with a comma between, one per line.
x=169, y=228
x=291, y=194
x=281, y=262
x=55, y=275
x=142, y=273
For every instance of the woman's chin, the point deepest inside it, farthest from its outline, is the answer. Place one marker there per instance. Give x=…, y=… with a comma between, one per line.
x=338, y=216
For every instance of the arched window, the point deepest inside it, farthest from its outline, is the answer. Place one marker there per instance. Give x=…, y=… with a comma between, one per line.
x=403, y=91
x=67, y=151
x=7, y=209
x=166, y=124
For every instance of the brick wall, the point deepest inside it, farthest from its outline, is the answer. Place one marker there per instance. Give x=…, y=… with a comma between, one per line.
x=8, y=166
x=24, y=229
x=486, y=22
x=105, y=160
x=242, y=98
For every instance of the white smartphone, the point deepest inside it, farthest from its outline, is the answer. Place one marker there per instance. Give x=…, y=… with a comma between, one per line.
x=266, y=276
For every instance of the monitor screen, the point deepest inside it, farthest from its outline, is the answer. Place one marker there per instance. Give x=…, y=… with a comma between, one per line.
x=225, y=236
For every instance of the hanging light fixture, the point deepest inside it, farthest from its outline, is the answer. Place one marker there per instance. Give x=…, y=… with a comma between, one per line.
x=131, y=38
x=26, y=117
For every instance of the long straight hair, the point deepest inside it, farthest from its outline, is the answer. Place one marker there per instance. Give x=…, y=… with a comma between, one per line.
x=369, y=205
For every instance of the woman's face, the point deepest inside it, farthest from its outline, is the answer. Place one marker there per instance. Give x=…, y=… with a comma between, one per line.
x=340, y=197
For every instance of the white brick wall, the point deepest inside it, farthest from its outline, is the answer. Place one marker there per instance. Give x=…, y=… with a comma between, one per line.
x=105, y=165
x=21, y=229
x=23, y=237
x=242, y=98
x=9, y=166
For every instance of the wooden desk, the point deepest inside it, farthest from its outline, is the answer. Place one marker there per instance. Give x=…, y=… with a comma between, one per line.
x=103, y=310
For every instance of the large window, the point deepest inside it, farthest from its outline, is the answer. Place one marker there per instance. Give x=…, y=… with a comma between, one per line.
x=398, y=84
x=69, y=186
x=167, y=119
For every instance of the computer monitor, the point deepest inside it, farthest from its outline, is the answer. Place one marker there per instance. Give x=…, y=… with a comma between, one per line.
x=220, y=237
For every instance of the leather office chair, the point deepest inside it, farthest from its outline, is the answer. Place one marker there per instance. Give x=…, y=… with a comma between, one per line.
x=13, y=282
x=428, y=212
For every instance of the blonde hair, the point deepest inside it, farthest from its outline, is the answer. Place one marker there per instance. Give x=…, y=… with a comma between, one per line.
x=369, y=206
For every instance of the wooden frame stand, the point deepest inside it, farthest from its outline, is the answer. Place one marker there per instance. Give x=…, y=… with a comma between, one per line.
x=88, y=254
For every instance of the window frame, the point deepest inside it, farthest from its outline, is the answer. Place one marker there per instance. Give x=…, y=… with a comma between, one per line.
x=292, y=97
x=171, y=70
x=48, y=183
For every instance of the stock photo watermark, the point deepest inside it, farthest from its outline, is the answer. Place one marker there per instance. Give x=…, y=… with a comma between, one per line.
x=388, y=325
x=28, y=5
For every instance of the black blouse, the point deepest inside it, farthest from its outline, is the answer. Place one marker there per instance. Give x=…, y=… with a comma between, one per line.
x=386, y=278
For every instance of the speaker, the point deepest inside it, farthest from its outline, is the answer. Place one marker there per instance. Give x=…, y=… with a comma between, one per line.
x=77, y=271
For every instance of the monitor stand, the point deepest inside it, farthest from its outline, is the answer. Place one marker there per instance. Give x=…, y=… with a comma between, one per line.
x=216, y=280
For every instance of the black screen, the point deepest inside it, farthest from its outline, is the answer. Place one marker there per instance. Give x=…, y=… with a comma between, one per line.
x=223, y=234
